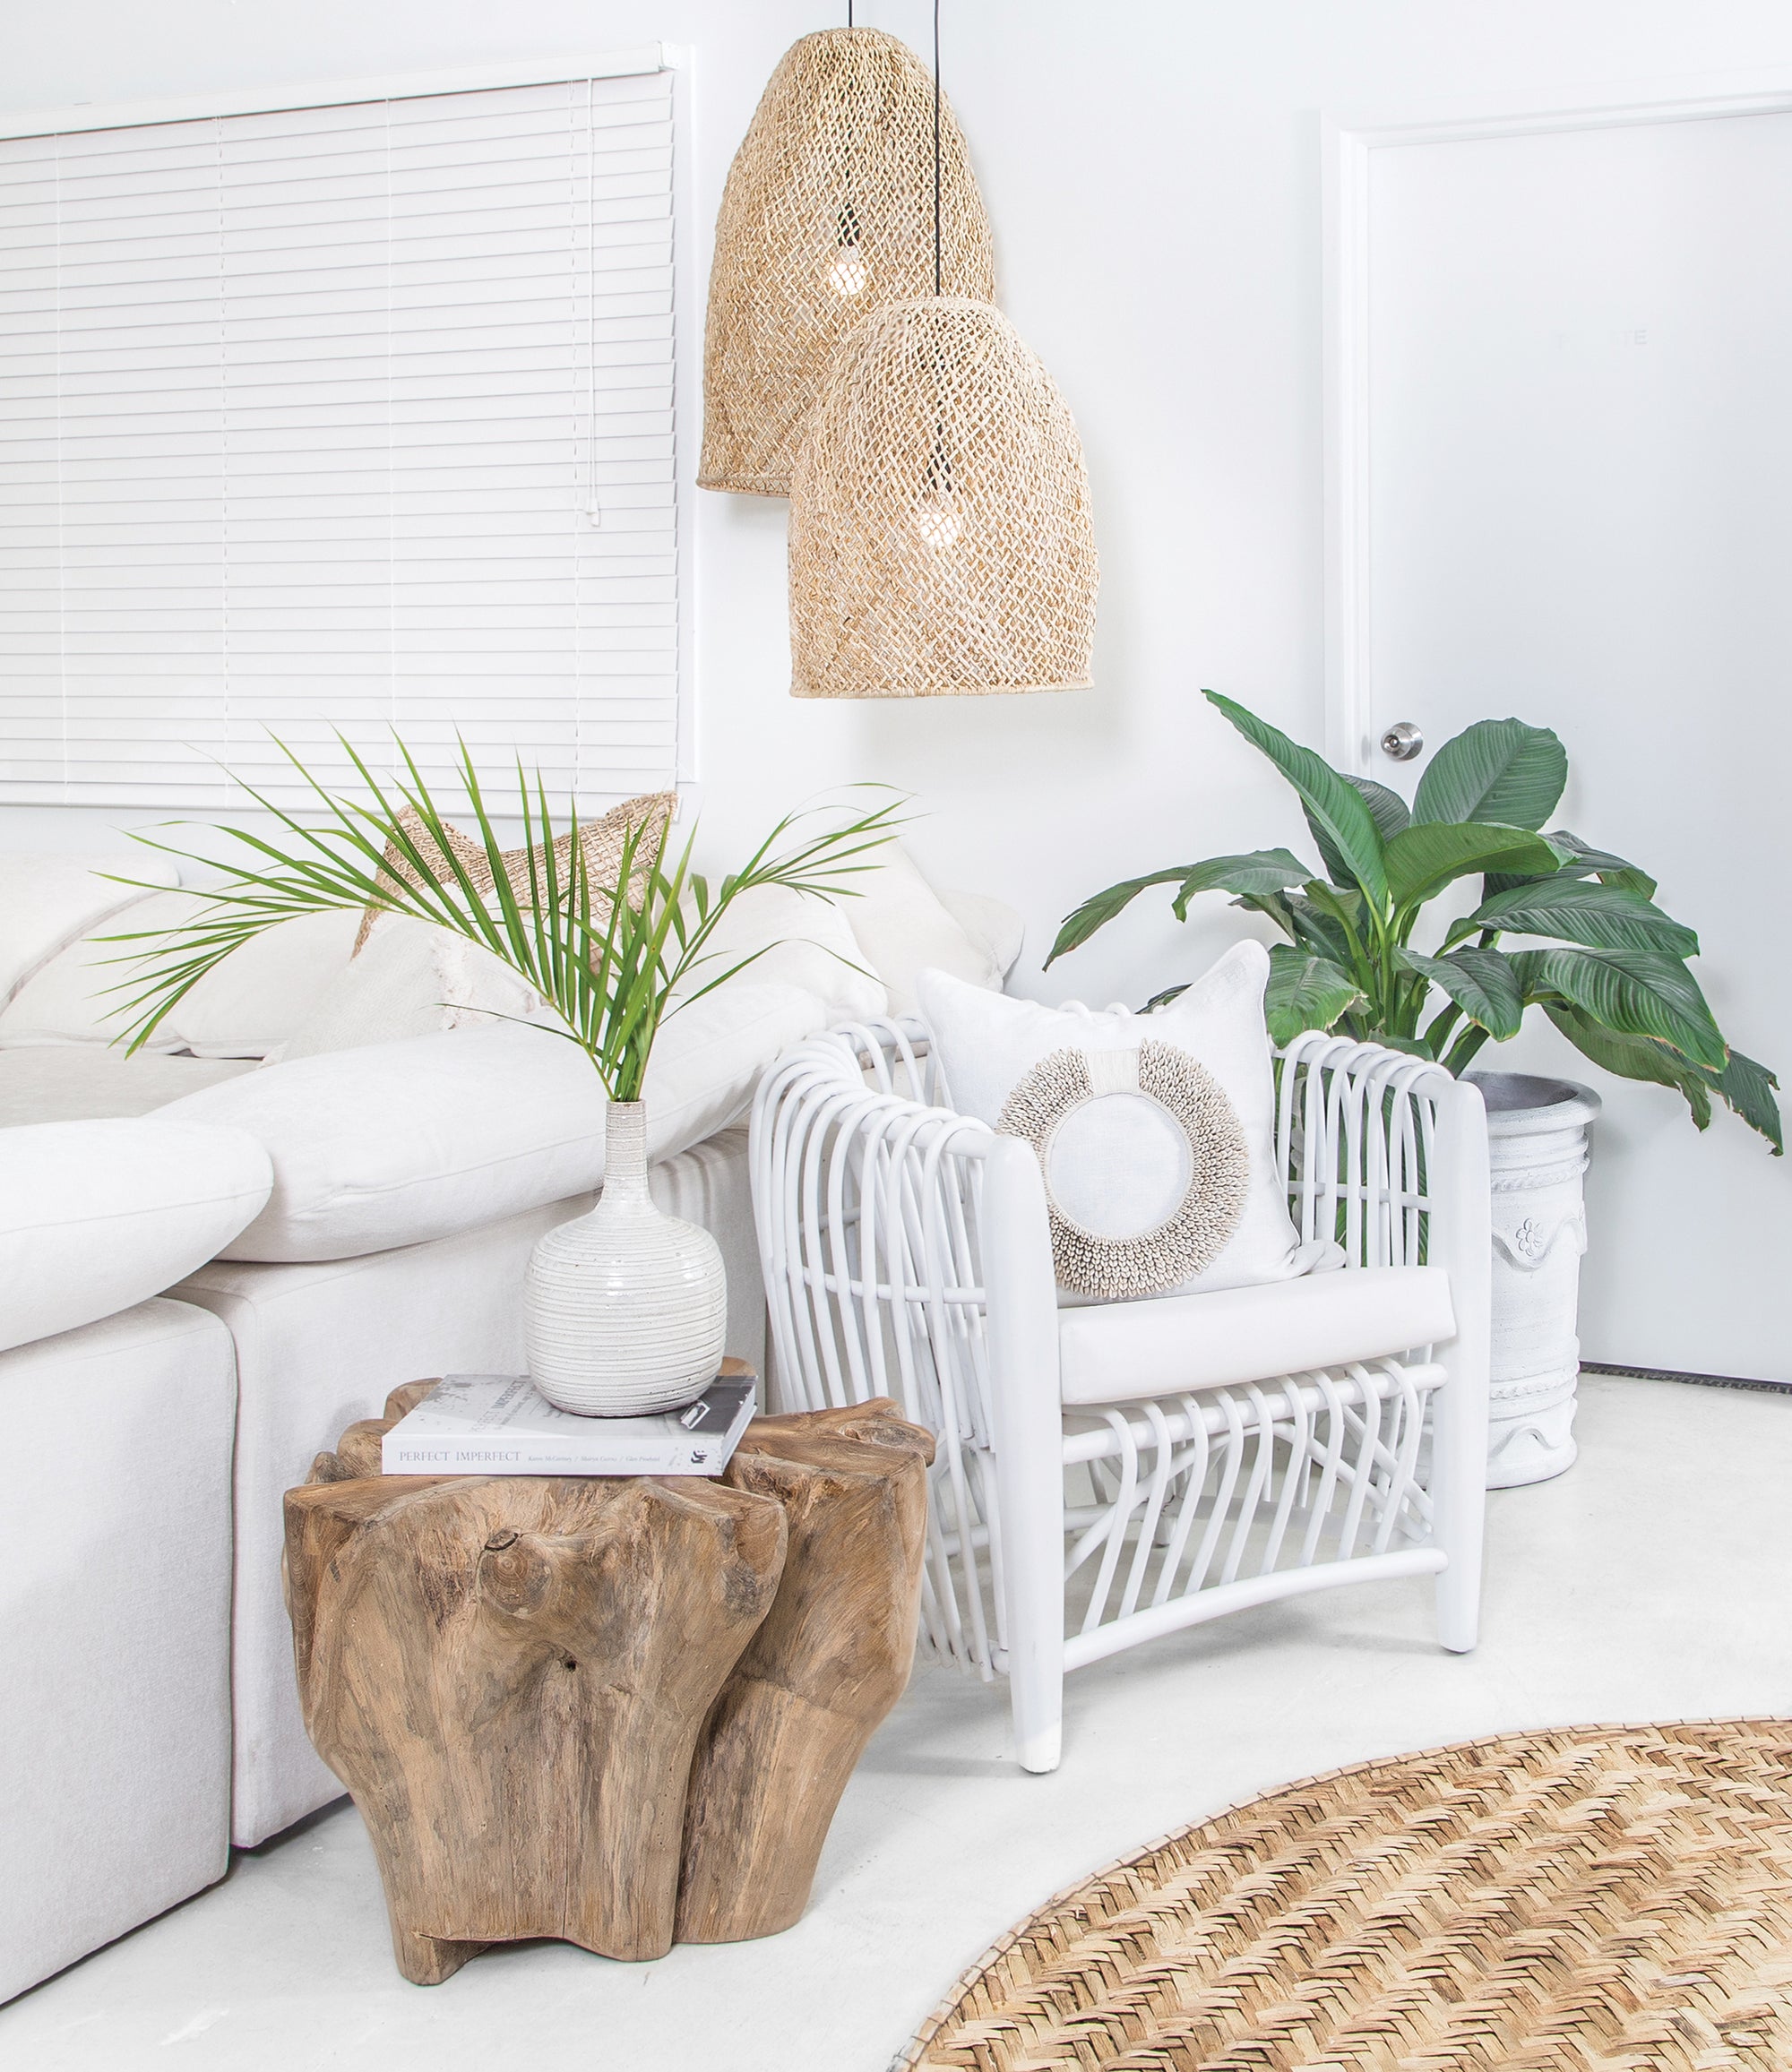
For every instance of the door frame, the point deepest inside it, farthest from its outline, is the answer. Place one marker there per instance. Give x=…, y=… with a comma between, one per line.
x=1347, y=146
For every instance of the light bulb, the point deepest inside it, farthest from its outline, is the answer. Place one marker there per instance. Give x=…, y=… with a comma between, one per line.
x=938, y=520
x=849, y=274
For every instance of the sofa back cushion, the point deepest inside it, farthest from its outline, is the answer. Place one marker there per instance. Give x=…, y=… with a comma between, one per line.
x=95, y=1216
x=794, y=939
x=397, y=1143
x=903, y=927
x=409, y=978
x=47, y=900
x=244, y=1008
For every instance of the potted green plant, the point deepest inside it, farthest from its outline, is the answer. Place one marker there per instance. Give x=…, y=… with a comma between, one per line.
x=1603, y=962
x=625, y=1306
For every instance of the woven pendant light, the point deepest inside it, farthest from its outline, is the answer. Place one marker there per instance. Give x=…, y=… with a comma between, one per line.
x=941, y=543
x=828, y=214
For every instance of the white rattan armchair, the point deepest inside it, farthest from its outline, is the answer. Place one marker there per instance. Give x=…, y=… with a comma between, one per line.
x=1106, y=1476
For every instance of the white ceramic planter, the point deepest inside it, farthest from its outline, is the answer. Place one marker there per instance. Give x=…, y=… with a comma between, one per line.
x=1537, y=1143
x=624, y=1309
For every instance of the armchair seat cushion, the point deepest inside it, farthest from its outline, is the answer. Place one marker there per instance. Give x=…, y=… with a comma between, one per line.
x=1120, y=1351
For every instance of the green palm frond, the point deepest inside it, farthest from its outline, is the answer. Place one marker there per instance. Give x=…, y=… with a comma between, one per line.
x=613, y=962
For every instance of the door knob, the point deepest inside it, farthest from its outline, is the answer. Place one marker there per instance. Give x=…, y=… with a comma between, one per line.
x=1403, y=742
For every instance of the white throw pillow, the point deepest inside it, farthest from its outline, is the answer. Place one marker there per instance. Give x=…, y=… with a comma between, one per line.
x=261, y=994
x=95, y=1216
x=993, y=926
x=807, y=941
x=396, y=1143
x=46, y=900
x=903, y=927
x=1156, y=1133
x=709, y=1055
x=70, y=1000
x=410, y=978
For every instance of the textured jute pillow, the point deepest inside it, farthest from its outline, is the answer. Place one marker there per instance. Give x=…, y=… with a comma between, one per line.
x=601, y=841
x=1155, y=1133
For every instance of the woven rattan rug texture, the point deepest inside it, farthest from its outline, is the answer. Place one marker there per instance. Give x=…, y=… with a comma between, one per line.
x=1595, y=1899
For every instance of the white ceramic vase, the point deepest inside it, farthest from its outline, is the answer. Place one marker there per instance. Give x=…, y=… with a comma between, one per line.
x=624, y=1309
x=1537, y=1145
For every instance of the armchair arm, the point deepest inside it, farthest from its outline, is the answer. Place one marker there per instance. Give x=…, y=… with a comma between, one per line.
x=877, y=1217
x=1369, y=1140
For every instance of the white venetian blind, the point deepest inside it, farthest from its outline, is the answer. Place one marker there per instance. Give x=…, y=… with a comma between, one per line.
x=354, y=417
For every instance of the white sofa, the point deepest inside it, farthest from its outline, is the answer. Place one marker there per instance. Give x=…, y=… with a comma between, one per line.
x=407, y=1180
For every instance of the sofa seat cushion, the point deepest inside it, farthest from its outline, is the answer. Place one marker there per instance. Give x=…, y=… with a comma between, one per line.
x=78, y=1082
x=96, y=1216
x=1120, y=1351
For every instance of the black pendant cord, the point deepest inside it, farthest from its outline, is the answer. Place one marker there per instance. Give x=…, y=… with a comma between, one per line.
x=938, y=268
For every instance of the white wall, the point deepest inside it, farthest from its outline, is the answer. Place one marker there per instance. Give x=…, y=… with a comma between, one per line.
x=1153, y=170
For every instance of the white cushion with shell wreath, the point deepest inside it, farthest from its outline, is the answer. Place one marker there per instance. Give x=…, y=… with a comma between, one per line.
x=1155, y=1133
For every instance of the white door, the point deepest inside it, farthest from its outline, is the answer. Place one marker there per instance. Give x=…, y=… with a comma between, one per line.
x=1578, y=498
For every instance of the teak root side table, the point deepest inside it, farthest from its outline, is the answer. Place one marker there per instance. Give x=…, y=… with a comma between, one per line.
x=619, y=1711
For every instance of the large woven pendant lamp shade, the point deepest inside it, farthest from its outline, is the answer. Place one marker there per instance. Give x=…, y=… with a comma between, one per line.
x=828, y=214
x=941, y=544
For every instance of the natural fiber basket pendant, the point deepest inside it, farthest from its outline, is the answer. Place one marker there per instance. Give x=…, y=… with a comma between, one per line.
x=828, y=214
x=941, y=544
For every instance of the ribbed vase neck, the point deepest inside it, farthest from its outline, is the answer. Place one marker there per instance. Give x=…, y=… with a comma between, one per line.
x=625, y=1153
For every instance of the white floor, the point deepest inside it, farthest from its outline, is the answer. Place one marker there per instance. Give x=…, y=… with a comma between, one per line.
x=1650, y=1582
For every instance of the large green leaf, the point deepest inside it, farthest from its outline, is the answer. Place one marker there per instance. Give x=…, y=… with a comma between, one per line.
x=1634, y=992
x=1581, y=860
x=1302, y=921
x=1260, y=871
x=1263, y=871
x=1305, y=992
x=1748, y=1087
x=1577, y=910
x=1387, y=808
x=1586, y=861
x=1100, y=908
x=1497, y=770
x=1633, y=1057
x=1481, y=981
x=1433, y=854
x=1337, y=813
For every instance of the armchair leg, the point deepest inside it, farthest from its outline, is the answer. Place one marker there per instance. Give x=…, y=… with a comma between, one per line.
x=1028, y=1431
x=1459, y=1496
x=1459, y=1607
x=1029, y=1482
x=1036, y=1697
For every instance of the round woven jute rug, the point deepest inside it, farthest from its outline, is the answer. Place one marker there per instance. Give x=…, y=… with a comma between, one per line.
x=1603, y=1899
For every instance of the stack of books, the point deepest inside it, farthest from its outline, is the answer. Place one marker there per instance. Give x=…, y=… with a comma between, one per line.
x=500, y=1424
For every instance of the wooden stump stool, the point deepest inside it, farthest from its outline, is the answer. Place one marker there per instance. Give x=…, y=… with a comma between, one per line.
x=619, y=1711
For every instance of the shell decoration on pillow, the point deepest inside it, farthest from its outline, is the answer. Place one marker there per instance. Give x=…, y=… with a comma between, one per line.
x=1117, y=1267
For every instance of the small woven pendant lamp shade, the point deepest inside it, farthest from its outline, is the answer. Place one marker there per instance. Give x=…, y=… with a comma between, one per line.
x=940, y=537
x=828, y=214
